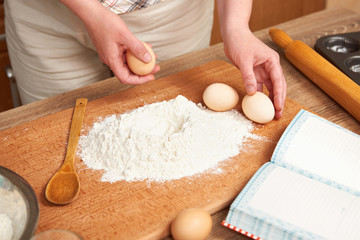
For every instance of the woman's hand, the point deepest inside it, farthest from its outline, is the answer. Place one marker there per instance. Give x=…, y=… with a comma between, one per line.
x=112, y=39
x=259, y=65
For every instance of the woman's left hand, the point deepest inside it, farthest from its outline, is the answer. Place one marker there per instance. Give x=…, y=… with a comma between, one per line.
x=259, y=65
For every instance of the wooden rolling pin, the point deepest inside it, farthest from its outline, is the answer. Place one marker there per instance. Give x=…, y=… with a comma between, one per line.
x=330, y=79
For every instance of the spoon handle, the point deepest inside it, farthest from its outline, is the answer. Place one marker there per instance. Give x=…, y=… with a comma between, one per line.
x=75, y=130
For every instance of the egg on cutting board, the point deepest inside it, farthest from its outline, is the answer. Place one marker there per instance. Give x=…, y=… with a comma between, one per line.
x=139, y=67
x=220, y=97
x=191, y=224
x=258, y=108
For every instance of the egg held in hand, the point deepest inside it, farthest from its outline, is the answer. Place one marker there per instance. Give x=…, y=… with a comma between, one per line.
x=191, y=224
x=220, y=97
x=139, y=67
x=258, y=108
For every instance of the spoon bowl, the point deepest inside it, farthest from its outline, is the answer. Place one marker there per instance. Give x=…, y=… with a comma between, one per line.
x=64, y=186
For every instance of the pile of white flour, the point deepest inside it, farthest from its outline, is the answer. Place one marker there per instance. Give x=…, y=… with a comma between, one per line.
x=163, y=141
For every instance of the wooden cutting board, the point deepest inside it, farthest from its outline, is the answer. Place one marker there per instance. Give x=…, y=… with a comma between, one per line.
x=136, y=210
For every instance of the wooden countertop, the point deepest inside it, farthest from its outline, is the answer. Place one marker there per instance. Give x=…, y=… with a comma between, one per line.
x=300, y=89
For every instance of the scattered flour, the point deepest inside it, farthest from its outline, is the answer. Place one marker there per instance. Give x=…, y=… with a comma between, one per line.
x=163, y=141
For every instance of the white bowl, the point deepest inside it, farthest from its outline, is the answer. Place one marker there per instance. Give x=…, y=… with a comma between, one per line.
x=19, y=208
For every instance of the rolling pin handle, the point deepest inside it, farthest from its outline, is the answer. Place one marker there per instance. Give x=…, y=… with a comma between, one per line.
x=280, y=37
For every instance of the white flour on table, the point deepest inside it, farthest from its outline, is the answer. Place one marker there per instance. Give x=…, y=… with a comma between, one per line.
x=163, y=141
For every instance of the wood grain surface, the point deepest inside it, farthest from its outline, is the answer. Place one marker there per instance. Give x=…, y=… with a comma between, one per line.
x=117, y=211
x=300, y=89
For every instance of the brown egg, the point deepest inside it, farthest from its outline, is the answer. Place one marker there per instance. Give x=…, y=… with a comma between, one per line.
x=191, y=224
x=258, y=108
x=139, y=67
x=220, y=97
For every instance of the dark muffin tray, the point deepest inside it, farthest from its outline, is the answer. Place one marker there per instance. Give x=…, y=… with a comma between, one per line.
x=343, y=51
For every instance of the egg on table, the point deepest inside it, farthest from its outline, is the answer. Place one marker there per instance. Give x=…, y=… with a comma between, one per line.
x=139, y=67
x=220, y=97
x=258, y=108
x=191, y=224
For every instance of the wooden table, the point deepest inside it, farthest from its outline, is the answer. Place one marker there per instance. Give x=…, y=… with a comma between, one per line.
x=300, y=89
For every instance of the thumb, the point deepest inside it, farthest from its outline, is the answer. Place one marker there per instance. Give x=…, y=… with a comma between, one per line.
x=140, y=50
x=248, y=77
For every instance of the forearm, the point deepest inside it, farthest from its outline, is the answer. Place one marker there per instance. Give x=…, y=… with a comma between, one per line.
x=234, y=16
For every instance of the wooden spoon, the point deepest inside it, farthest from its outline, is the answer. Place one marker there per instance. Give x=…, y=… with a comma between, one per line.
x=64, y=186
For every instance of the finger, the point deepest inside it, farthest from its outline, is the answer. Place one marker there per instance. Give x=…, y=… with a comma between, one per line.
x=151, y=46
x=278, y=85
x=262, y=77
x=283, y=99
x=248, y=77
x=125, y=76
x=156, y=69
x=137, y=47
x=143, y=79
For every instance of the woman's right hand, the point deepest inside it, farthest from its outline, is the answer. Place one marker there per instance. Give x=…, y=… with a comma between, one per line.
x=112, y=39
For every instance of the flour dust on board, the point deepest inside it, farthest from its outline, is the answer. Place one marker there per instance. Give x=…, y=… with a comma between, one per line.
x=163, y=141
